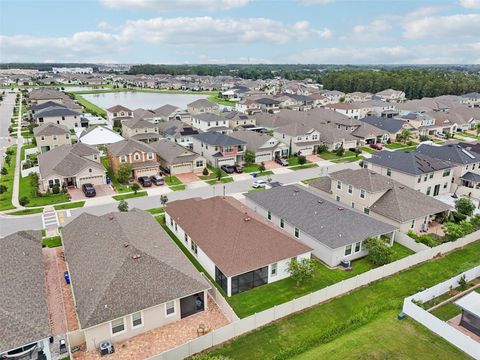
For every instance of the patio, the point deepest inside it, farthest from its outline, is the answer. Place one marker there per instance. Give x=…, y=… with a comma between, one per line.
x=166, y=337
x=455, y=322
x=101, y=190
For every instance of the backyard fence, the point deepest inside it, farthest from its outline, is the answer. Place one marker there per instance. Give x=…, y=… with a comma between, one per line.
x=407, y=241
x=257, y=320
x=440, y=327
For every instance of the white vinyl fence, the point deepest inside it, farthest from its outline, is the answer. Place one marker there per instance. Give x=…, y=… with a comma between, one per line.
x=441, y=328
x=255, y=321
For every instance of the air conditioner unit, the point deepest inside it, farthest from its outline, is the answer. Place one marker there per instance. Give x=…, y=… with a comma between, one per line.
x=106, y=347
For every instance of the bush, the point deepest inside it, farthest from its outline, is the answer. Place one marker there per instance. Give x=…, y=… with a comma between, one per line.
x=123, y=206
x=302, y=160
x=23, y=201
x=462, y=283
x=205, y=172
x=135, y=187
x=464, y=206
x=56, y=189
x=322, y=148
x=424, y=138
x=261, y=167
x=426, y=239
x=124, y=172
x=340, y=151
x=3, y=189
x=4, y=171
x=249, y=157
x=379, y=253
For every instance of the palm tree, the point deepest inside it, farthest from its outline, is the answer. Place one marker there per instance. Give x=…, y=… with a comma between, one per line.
x=405, y=135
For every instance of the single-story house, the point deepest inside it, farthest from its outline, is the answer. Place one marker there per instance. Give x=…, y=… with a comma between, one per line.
x=334, y=232
x=97, y=136
x=265, y=147
x=202, y=106
x=134, y=280
x=237, y=247
x=176, y=158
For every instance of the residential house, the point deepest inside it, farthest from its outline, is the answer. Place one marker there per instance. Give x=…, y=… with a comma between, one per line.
x=167, y=112
x=393, y=127
x=210, y=122
x=369, y=134
x=334, y=232
x=45, y=95
x=354, y=110
x=50, y=135
x=413, y=169
x=301, y=138
x=176, y=158
x=465, y=162
x=132, y=281
x=60, y=115
x=264, y=146
x=140, y=155
x=98, y=136
x=268, y=104
x=333, y=96
x=239, y=120
x=382, y=198
x=140, y=129
x=219, y=149
x=336, y=138
x=202, y=106
x=471, y=99
x=358, y=96
x=24, y=316
x=253, y=253
x=391, y=95
x=70, y=166
x=119, y=113
x=178, y=132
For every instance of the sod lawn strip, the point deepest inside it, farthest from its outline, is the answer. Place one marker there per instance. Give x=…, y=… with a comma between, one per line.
x=26, y=212
x=52, y=242
x=129, y=195
x=72, y=205
x=7, y=181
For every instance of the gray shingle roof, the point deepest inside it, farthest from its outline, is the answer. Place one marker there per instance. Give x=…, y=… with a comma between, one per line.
x=108, y=282
x=215, y=138
x=471, y=176
x=326, y=221
x=208, y=117
x=128, y=146
x=49, y=129
x=172, y=152
x=176, y=128
x=165, y=110
x=391, y=125
x=202, y=103
x=23, y=294
x=254, y=139
x=55, y=111
x=138, y=123
x=452, y=153
x=412, y=163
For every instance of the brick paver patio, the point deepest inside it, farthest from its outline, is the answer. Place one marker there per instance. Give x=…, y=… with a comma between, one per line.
x=187, y=177
x=71, y=314
x=270, y=164
x=166, y=337
x=56, y=310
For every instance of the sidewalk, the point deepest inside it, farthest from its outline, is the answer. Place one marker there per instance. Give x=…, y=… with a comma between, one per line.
x=16, y=179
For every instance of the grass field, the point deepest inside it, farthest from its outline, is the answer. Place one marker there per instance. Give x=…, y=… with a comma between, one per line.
x=368, y=149
x=52, y=242
x=129, y=195
x=26, y=189
x=26, y=212
x=328, y=155
x=178, y=187
x=72, y=205
x=408, y=148
x=332, y=322
x=90, y=107
x=395, y=145
x=349, y=159
x=7, y=181
x=447, y=311
x=158, y=210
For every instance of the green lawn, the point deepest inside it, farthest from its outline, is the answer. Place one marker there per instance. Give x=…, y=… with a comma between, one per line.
x=26, y=212
x=268, y=172
x=466, y=134
x=328, y=155
x=120, y=188
x=222, y=181
x=72, y=205
x=28, y=190
x=395, y=145
x=129, y=195
x=7, y=180
x=158, y=210
x=178, y=187
x=293, y=161
x=25, y=147
x=331, y=321
x=257, y=189
x=266, y=296
x=408, y=148
x=447, y=311
x=250, y=168
x=52, y=242
x=368, y=149
x=372, y=341
x=349, y=159
x=308, y=181
x=89, y=107
x=304, y=166
x=171, y=180
x=216, y=99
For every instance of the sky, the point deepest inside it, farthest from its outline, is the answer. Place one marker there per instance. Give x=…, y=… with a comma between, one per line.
x=241, y=31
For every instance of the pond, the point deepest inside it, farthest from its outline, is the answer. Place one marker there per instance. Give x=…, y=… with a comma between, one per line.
x=144, y=100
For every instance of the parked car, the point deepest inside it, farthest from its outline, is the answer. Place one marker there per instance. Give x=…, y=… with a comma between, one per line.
x=355, y=150
x=227, y=168
x=157, y=180
x=441, y=135
x=238, y=169
x=376, y=146
x=260, y=184
x=281, y=161
x=164, y=171
x=89, y=190
x=145, y=181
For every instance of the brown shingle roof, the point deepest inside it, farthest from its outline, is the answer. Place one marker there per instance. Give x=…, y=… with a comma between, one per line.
x=219, y=227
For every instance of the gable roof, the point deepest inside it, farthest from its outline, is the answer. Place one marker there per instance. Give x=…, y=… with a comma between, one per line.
x=128, y=146
x=254, y=139
x=108, y=282
x=55, y=111
x=49, y=129
x=138, y=123
x=99, y=135
x=388, y=124
x=208, y=117
x=327, y=222
x=413, y=163
x=23, y=294
x=215, y=138
x=172, y=152
x=166, y=110
x=117, y=108
x=452, y=153
x=176, y=128
x=202, y=103
x=205, y=221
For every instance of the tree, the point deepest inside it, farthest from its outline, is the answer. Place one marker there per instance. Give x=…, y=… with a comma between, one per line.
x=379, y=253
x=424, y=138
x=464, y=206
x=205, y=172
x=322, y=148
x=56, y=189
x=300, y=270
x=123, y=206
x=7, y=160
x=340, y=151
x=135, y=187
x=3, y=189
x=405, y=135
x=249, y=157
x=261, y=167
x=163, y=199
x=302, y=160
x=124, y=173
x=4, y=171
x=218, y=173
x=23, y=201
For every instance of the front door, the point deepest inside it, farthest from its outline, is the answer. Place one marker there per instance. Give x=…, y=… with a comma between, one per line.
x=436, y=190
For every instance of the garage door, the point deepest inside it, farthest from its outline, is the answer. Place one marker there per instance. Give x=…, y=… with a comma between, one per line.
x=95, y=180
x=146, y=172
x=230, y=161
x=307, y=150
x=263, y=157
x=181, y=168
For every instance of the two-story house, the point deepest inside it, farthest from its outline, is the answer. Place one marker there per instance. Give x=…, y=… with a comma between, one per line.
x=239, y=120
x=140, y=129
x=416, y=170
x=219, y=149
x=61, y=115
x=301, y=138
x=202, y=106
x=50, y=135
x=391, y=95
x=354, y=110
x=119, y=113
x=211, y=122
x=178, y=132
x=382, y=198
x=265, y=147
x=140, y=155
x=176, y=158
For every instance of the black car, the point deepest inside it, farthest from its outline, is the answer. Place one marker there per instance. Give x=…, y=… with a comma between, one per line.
x=157, y=180
x=89, y=190
x=281, y=161
x=238, y=169
x=355, y=150
x=145, y=181
x=164, y=171
x=227, y=168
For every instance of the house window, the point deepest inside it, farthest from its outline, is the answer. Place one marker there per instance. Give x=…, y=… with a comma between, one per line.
x=42, y=138
x=446, y=172
x=176, y=227
x=95, y=157
x=199, y=163
x=362, y=194
x=170, y=308
x=350, y=189
x=282, y=223
x=150, y=156
x=269, y=215
x=123, y=159
x=54, y=137
x=228, y=149
x=118, y=326
x=412, y=225
x=353, y=205
x=348, y=250
x=445, y=185
x=429, y=189
x=273, y=269
x=358, y=246
x=425, y=178
x=171, y=221
x=297, y=232
x=430, y=176
x=366, y=211
x=186, y=238
x=419, y=179
x=389, y=172
x=194, y=248
x=137, y=319
x=339, y=184
x=136, y=156
x=337, y=198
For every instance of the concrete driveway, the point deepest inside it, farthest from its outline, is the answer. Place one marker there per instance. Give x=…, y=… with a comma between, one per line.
x=102, y=190
x=271, y=164
x=187, y=178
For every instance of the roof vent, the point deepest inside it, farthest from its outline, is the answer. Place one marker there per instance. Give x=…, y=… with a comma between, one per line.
x=340, y=209
x=136, y=256
x=247, y=219
x=296, y=190
x=111, y=217
x=320, y=201
x=125, y=244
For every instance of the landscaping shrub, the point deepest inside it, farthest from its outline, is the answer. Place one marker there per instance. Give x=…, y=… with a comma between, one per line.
x=261, y=167
x=56, y=189
x=123, y=206
x=379, y=253
x=340, y=151
x=302, y=160
x=3, y=189
x=135, y=187
x=424, y=138
x=4, y=171
x=249, y=157
x=426, y=239
x=464, y=206
x=462, y=283
x=322, y=148
x=124, y=172
x=205, y=172
x=23, y=201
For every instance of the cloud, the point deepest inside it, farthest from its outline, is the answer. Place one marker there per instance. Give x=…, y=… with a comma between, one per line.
x=461, y=25
x=166, y=5
x=316, y=2
x=419, y=54
x=470, y=4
